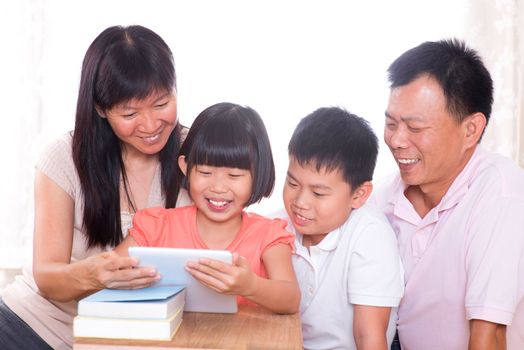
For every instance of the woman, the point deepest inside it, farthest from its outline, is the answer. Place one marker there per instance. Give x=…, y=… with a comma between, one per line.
x=120, y=158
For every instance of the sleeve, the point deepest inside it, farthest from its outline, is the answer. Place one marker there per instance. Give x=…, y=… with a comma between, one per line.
x=149, y=226
x=494, y=254
x=56, y=162
x=276, y=233
x=375, y=274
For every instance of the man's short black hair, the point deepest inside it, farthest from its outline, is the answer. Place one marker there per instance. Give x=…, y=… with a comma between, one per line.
x=459, y=70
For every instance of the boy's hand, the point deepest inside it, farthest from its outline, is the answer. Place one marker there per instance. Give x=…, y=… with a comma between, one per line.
x=236, y=278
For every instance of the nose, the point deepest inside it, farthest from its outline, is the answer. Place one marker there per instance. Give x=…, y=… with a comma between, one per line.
x=301, y=200
x=149, y=122
x=396, y=138
x=218, y=185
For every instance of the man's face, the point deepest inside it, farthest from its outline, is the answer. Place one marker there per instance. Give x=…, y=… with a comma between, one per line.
x=428, y=144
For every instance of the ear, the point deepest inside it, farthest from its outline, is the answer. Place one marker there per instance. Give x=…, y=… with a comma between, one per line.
x=361, y=194
x=182, y=164
x=474, y=125
x=100, y=112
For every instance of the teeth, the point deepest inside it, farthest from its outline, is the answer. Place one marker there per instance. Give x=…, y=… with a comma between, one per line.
x=301, y=217
x=407, y=161
x=218, y=203
x=152, y=138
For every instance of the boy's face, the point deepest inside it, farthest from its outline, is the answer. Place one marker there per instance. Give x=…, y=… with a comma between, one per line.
x=317, y=202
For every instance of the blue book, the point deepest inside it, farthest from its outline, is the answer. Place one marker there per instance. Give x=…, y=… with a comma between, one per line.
x=157, y=302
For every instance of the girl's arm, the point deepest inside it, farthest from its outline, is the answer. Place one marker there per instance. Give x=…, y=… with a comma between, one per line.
x=121, y=249
x=370, y=324
x=55, y=275
x=279, y=293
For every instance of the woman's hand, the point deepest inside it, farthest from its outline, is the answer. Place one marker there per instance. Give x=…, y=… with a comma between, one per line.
x=233, y=279
x=104, y=270
x=110, y=270
x=55, y=275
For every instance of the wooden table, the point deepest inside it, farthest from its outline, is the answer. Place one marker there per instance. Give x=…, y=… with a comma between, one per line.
x=251, y=328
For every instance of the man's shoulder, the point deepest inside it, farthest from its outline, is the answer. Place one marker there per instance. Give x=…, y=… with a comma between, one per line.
x=495, y=171
x=385, y=189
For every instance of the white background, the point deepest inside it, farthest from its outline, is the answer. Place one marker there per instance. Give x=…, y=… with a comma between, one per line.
x=282, y=58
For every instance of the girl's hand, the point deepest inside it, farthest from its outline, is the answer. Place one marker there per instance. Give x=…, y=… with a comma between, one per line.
x=234, y=279
x=110, y=270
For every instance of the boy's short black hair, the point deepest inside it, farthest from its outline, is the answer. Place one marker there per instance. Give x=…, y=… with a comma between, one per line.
x=229, y=135
x=333, y=138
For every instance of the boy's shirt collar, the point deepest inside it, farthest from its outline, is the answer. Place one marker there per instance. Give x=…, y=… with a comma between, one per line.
x=329, y=243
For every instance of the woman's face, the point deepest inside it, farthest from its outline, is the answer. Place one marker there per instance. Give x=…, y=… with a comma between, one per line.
x=144, y=126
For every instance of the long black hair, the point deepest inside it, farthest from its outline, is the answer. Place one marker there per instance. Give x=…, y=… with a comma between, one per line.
x=121, y=64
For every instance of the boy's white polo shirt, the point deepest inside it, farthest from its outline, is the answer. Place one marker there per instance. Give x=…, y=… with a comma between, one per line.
x=357, y=263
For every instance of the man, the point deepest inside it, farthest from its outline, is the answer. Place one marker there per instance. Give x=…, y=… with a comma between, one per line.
x=457, y=210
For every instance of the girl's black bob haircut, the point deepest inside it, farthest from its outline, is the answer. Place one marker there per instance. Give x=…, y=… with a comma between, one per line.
x=233, y=136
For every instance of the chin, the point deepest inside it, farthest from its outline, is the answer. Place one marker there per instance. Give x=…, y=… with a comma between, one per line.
x=153, y=150
x=304, y=232
x=411, y=182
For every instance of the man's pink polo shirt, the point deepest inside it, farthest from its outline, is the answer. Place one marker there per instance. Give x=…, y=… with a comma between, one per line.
x=465, y=259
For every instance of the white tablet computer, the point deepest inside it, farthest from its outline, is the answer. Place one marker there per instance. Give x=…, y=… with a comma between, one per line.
x=171, y=262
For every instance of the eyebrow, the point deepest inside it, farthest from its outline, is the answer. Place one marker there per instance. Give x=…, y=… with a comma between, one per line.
x=314, y=186
x=407, y=118
x=126, y=106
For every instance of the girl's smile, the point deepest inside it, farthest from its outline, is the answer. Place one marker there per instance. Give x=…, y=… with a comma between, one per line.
x=220, y=193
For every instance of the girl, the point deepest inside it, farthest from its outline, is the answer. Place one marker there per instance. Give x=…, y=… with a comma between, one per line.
x=226, y=165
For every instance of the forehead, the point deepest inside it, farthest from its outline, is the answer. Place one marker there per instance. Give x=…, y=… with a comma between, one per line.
x=422, y=99
x=152, y=98
x=309, y=175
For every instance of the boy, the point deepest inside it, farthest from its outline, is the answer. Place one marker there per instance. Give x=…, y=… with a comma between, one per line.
x=347, y=261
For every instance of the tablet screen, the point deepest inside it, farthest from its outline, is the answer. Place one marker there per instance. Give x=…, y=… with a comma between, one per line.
x=171, y=262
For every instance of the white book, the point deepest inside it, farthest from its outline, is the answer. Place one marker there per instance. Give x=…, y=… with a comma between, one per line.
x=121, y=328
x=159, y=302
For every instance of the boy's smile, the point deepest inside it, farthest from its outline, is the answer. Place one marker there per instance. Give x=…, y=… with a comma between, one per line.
x=317, y=201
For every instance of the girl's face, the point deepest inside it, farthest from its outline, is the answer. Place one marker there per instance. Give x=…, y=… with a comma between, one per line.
x=144, y=126
x=220, y=193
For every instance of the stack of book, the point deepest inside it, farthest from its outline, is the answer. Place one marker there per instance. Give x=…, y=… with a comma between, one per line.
x=153, y=313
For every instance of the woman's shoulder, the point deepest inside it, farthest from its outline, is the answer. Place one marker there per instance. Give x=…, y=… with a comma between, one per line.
x=184, y=130
x=56, y=162
x=58, y=149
